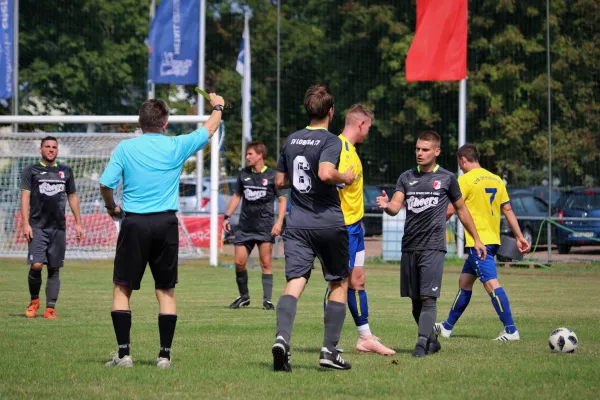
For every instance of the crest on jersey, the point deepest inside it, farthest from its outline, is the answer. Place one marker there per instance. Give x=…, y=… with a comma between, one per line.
x=61, y=175
x=264, y=182
x=437, y=185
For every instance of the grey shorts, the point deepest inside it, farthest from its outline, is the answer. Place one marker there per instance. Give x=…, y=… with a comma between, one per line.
x=48, y=247
x=250, y=239
x=330, y=246
x=421, y=273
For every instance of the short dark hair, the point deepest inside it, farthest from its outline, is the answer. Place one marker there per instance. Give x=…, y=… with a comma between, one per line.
x=468, y=151
x=48, y=138
x=359, y=109
x=154, y=113
x=318, y=100
x=259, y=148
x=430, y=136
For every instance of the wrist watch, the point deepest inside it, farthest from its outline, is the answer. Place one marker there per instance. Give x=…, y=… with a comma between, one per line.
x=226, y=217
x=218, y=107
x=111, y=207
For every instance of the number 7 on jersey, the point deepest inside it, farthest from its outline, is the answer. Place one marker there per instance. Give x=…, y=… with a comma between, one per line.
x=492, y=193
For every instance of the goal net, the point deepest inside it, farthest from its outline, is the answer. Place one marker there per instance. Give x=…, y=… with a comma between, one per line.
x=87, y=154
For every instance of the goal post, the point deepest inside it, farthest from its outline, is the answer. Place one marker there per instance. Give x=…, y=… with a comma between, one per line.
x=87, y=154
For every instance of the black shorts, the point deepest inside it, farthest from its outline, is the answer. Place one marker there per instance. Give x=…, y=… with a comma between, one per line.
x=330, y=245
x=147, y=239
x=47, y=247
x=421, y=273
x=250, y=239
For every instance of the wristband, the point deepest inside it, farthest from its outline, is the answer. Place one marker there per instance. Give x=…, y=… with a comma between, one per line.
x=226, y=217
x=111, y=207
x=218, y=107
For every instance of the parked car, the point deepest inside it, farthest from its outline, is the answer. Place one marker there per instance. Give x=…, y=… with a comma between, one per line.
x=578, y=203
x=541, y=192
x=188, y=199
x=525, y=204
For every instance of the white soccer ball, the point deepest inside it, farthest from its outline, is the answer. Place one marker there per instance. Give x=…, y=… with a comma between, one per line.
x=563, y=340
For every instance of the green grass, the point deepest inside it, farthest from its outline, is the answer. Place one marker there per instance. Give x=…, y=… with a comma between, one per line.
x=222, y=353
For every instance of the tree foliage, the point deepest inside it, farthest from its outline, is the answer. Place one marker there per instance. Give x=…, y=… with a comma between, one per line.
x=89, y=56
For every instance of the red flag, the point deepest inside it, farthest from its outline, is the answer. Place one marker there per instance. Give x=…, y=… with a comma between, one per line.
x=439, y=48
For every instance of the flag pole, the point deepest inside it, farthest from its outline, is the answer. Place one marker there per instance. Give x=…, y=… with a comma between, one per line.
x=278, y=77
x=462, y=139
x=150, y=85
x=246, y=88
x=200, y=103
x=15, y=77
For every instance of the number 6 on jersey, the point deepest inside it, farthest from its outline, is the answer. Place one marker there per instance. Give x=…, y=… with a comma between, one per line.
x=301, y=179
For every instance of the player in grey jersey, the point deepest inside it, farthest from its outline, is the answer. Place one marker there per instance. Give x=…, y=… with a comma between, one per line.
x=427, y=190
x=46, y=187
x=315, y=227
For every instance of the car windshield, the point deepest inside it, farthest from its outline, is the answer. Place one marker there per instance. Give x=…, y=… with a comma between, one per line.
x=583, y=202
x=371, y=194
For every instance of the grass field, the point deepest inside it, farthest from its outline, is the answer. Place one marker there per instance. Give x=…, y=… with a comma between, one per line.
x=222, y=353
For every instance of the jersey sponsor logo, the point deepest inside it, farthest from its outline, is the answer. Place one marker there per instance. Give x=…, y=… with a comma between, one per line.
x=437, y=185
x=306, y=142
x=264, y=182
x=417, y=205
x=50, y=189
x=413, y=183
x=253, y=195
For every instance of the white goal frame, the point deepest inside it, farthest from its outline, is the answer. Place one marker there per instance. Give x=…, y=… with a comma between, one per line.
x=133, y=119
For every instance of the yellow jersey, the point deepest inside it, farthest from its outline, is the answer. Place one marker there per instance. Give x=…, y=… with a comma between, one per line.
x=484, y=193
x=351, y=196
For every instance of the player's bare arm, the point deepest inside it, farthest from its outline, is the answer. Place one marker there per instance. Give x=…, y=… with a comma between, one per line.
x=450, y=212
x=233, y=204
x=522, y=244
x=25, y=198
x=282, y=180
x=329, y=174
x=467, y=220
x=112, y=208
x=213, y=122
x=74, y=204
x=391, y=207
x=282, y=205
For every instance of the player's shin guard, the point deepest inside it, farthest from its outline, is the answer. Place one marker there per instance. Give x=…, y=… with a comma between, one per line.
x=461, y=301
x=427, y=318
x=417, y=306
x=267, y=284
x=241, y=279
x=166, y=329
x=335, y=313
x=122, y=324
x=359, y=308
x=286, y=313
x=502, y=306
x=34, y=278
x=52, y=287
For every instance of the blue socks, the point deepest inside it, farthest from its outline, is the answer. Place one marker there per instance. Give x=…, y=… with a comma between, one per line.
x=463, y=297
x=502, y=306
x=358, y=305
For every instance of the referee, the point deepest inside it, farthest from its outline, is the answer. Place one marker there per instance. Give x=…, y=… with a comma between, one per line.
x=150, y=166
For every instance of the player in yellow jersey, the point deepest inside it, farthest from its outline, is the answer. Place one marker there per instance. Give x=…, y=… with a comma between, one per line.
x=485, y=195
x=356, y=129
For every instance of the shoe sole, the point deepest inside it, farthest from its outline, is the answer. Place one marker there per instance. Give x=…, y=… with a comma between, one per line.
x=325, y=363
x=364, y=350
x=280, y=358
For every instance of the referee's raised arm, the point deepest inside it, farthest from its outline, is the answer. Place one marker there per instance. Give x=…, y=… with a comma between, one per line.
x=216, y=115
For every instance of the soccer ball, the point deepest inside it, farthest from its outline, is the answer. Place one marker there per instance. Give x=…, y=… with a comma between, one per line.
x=563, y=340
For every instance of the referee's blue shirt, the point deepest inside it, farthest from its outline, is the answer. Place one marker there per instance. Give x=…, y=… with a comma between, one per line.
x=150, y=166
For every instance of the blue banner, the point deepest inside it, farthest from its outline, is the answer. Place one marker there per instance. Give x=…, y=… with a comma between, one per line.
x=174, y=38
x=6, y=49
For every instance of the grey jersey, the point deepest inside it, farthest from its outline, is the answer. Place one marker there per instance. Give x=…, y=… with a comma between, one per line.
x=49, y=187
x=427, y=196
x=258, y=193
x=315, y=204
